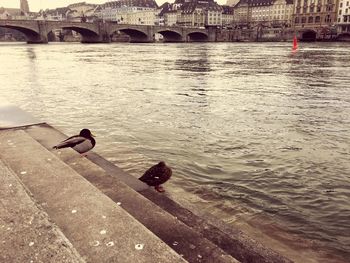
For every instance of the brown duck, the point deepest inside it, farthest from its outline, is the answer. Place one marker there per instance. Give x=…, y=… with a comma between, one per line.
x=156, y=175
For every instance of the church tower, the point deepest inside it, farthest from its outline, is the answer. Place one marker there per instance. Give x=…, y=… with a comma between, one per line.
x=24, y=6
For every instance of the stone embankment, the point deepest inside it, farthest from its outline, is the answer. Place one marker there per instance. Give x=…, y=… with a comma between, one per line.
x=57, y=206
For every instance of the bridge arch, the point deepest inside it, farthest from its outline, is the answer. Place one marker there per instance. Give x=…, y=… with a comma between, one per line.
x=31, y=34
x=197, y=36
x=308, y=35
x=136, y=35
x=170, y=35
x=88, y=34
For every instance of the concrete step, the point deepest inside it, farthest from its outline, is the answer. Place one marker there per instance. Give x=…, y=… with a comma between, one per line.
x=99, y=229
x=26, y=232
x=229, y=239
x=182, y=238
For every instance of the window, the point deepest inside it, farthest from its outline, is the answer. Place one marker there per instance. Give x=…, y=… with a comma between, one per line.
x=297, y=20
x=310, y=20
x=303, y=20
x=345, y=18
x=317, y=19
x=312, y=9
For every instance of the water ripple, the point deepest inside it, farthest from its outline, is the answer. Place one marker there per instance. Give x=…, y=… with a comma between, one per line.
x=251, y=124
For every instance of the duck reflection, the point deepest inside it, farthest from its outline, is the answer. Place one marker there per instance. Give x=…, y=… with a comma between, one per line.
x=31, y=53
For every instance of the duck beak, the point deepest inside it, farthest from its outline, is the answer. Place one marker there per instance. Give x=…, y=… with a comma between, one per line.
x=93, y=135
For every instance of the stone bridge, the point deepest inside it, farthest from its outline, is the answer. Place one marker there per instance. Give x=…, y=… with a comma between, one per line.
x=37, y=31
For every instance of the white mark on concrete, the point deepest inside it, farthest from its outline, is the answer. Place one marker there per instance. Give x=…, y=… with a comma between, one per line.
x=31, y=244
x=119, y=203
x=9, y=228
x=23, y=172
x=74, y=211
x=175, y=243
x=192, y=246
x=110, y=244
x=10, y=185
x=96, y=243
x=199, y=256
x=139, y=246
x=49, y=159
x=58, y=153
x=103, y=232
x=104, y=217
x=74, y=163
x=31, y=261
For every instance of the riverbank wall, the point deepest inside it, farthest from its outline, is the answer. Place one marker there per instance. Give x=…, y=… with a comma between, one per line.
x=58, y=206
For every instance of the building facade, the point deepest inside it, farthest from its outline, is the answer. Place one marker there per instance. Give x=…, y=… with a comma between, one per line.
x=199, y=13
x=343, y=17
x=241, y=13
x=123, y=11
x=317, y=14
x=227, y=16
x=261, y=11
x=282, y=13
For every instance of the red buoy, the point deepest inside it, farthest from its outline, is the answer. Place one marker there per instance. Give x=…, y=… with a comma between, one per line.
x=295, y=43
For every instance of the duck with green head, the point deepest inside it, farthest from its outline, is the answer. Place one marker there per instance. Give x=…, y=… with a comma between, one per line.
x=82, y=143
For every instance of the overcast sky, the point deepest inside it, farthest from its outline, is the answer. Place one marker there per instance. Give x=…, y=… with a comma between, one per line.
x=36, y=5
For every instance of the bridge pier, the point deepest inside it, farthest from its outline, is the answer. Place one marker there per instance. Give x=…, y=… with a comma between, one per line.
x=102, y=36
x=212, y=34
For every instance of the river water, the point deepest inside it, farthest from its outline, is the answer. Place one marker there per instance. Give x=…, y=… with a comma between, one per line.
x=250, y=125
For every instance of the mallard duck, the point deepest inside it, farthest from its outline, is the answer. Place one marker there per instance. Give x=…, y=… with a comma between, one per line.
x=82, y=143
x=156, y=175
